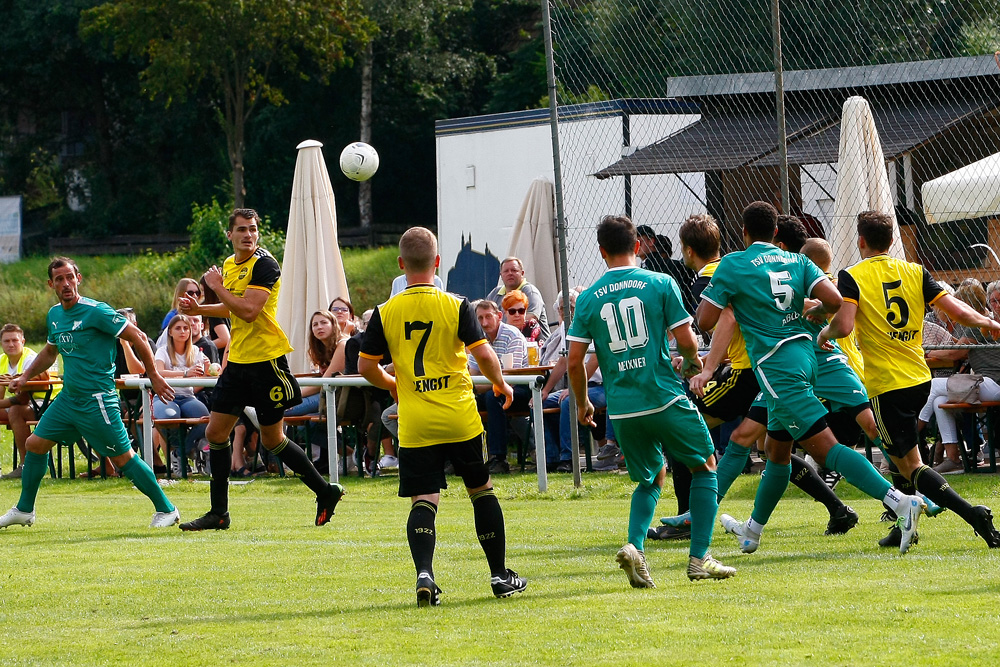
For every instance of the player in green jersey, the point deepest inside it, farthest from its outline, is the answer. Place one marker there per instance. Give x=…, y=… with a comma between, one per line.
x=84, y=331
x=766, y=287
x=627, y=315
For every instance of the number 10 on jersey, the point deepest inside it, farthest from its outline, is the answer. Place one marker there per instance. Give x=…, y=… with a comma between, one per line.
x=626, y=324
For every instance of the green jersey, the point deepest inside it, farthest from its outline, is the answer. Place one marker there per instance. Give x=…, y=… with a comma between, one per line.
x=627, y=314
x=85, y=336
x=766, y=287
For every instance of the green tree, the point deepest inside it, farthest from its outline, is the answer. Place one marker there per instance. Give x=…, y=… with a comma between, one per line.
x=227, y=52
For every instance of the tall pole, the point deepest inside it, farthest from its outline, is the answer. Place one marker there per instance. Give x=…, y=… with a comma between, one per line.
x=550, y=73
x=779, y=93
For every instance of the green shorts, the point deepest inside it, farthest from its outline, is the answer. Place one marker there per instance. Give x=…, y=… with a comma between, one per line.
x=97, y=418
x=678, y=428
x=837, y=382
x=786, y=378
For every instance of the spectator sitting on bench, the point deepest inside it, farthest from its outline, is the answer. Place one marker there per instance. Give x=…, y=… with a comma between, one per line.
x=180, y=358
x=16, y=409
x=515, y=313
x=185, y=287
x=506, y=340
x=985, y=362
x=344, y=312
x=216, y=328
x=326, y=353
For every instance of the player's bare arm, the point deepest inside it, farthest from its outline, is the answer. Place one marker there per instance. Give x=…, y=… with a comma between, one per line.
x=687, y=347
x=960, y=312
x=577, y=373
x=489, y=366
x=372, y=371
x=717, y=351
x=707, y=316
x=840, y=326
x=137, y=339
x=40, y=363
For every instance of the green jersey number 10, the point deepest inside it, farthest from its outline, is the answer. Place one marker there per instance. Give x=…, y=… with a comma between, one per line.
x=626, y=324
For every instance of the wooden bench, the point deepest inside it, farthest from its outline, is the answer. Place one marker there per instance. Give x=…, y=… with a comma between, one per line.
x=986, y=410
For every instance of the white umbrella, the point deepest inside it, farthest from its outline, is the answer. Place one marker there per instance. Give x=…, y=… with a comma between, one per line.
x=532, y=239
x=312, y=273
x=970, y=192
x=862, y=184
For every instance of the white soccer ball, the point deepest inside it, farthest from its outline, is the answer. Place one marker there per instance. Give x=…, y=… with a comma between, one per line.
x=358, y=161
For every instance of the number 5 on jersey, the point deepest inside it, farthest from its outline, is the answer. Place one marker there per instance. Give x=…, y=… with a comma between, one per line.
x=626, y=324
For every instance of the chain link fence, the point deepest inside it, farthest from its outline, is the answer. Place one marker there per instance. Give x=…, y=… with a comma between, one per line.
x=668, y=108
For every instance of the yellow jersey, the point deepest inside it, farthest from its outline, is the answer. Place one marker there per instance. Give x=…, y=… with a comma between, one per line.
x=890, y=295
x=262, y=339
x=737, y=350
x=426, y=331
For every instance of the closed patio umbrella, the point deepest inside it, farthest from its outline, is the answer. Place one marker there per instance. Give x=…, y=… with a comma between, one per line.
x=970, y=192
x=532, y=240
x=312, y=273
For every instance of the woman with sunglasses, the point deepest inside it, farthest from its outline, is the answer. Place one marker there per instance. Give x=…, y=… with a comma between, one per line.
x=515, y=308
x=344, y=312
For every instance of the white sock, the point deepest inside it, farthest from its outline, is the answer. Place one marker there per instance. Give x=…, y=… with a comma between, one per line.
x=896, y=499
x=754, y=527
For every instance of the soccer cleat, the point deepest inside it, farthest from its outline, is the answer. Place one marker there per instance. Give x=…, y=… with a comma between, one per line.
x=428, y=593
x=933, y=509
x=830, y=477
x=326, y=504
x=633, y=562
x=165, y=519
x=682, y=532
x=679, y=520
x=708, y=568
x=982, y=523
x=210, y=521
x=894, y=537
x=746, y=538
x=508, y=584
x=15, y=517
x=387, y=462
x=909, y=515
x=841, y=521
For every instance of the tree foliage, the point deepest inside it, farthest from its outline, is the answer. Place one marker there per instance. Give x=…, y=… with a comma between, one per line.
x=227, y=51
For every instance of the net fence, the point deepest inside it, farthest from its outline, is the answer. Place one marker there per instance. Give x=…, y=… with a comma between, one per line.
x=668, y=108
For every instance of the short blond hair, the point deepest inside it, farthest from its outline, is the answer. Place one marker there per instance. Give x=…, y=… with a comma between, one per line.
x=818, y=250
x=418, y=248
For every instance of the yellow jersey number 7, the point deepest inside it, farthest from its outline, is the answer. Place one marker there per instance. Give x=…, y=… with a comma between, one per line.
x=418, y=357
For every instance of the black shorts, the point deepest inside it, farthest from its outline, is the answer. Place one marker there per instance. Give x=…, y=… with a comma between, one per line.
x=421, y=469
x=729, y=394
x=267, y=386
x=896, y=414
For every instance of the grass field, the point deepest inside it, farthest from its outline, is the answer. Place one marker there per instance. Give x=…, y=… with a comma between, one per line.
x=90, y=584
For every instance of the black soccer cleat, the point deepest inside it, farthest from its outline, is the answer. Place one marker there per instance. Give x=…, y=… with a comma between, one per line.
x=428, y=593
x=842, y=521
x=508, y=584
x=210, y=521
x=682, y=532
x=894, y=538
x=326, y=503
x=982, y=523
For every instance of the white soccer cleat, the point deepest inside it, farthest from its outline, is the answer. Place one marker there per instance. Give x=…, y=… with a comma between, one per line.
x=633, y=562
x=15, y=517
x=166, y=519
x=746, y=538
x=909, y=513
x=387, y=462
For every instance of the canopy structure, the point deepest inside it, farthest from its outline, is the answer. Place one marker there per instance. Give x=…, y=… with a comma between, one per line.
x=970, y=192
x=312, y=273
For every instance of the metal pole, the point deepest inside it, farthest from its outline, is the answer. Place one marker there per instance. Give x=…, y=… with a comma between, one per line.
x=550, y=72
x=779, y=93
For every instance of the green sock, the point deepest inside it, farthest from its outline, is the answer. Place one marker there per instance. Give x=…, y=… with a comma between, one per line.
x=31, y=477
x=144, y=479
x=857, y=470
x=641, y=513
x=704, y=506
x=773, y=482
x=731, y=466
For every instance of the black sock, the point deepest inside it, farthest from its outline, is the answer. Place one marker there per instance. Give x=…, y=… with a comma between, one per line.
x=220, y=458
x=296, y=459
x=682, y=485
x=934, y=486
x=806, y=478
x=904, y=485
x=421, y=535
x=490, y=530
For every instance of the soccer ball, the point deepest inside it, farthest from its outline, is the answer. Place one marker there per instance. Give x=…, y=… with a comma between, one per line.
x=359, y=161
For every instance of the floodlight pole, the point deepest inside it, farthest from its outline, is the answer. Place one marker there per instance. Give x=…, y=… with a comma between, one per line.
x=550, y=74
x=779, y=94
